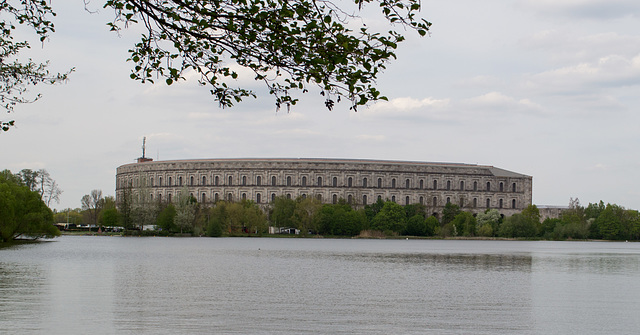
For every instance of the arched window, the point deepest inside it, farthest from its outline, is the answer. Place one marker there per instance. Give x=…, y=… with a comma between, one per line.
x=488, y=186
x=475, y=186
x=229, y=197
x=335, y=199
x=288, y=195
x=304, y=195
x=448, y=200
x=217, y=181
x=244, y=196
x=435, y=184
x=319, y=197
x=379, y=182
x=244, y=180
x=335, y=182
x=204, y=180
x=462, y=185
x=273, y=181
x=273, y=197
x=501, y=187
x=364, y=198
x=393, y=198
x=259, y=181
x=379, y=198
x=349, y=199
x=393, y=183
x=191, y=181
x=169, y=197
x=180, y=180
x=488, y=202
x=421, y=200
x=461, y=202
x=160, y=197
x=350, y=182
x=421, y=184
x=160, y=181
x=288, y=180
x=304, y=181
x=448, y=184
x=230, y=180
x=406, y=200
x=407, y=183
x=475, y=202
x=216, y=197
x=513, y=187
x=151, y=196
x=364, y=182
x=203, y=199
x=258, y=199
x=151, y=181
x=513, y=203
x=319, y=181
x=500, y=203
x=435, y=201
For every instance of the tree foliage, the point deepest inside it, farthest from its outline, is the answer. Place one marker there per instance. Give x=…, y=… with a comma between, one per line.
x=17, y=75
x=23, y=213
x=287, y=44
x=166, y=219
x=391, y=217
x=236, y=218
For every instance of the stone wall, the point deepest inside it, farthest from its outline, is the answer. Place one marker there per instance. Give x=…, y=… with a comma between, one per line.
x=360, y=182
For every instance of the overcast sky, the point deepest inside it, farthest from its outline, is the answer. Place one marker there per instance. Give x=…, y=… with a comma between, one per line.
x=545, y=88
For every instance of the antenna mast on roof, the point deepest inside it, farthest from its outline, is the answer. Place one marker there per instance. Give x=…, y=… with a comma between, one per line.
x=144, y=144
x=144, y=149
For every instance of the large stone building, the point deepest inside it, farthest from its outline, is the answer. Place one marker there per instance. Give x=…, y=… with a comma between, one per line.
x=360, y=182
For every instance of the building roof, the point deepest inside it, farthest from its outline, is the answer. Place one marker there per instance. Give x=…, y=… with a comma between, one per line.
x=498, y=172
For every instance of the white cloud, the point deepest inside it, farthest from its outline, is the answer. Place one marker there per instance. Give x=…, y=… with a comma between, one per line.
x=606, y=72
x=499, y=103
x=590, y=9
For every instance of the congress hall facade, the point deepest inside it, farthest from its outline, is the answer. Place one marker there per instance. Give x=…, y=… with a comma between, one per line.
x=360, y=182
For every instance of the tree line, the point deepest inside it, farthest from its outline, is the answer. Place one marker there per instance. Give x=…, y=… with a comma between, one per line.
x=382, y=218
x=26, y=195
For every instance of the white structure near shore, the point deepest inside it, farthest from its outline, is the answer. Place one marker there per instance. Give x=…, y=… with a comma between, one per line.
x=360, y=182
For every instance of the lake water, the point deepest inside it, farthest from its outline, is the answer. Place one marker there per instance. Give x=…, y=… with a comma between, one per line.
x=127, y=285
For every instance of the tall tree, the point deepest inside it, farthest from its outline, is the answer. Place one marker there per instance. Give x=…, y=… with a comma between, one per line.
x=185, y=211
x=305, y=214
x=92, y=203
x=40, y=181
x=23, y=213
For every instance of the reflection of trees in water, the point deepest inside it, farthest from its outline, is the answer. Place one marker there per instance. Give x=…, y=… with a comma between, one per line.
x=590, y=263
x=490, y=262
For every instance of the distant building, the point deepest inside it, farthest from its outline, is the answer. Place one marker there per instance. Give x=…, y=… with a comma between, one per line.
x=360, y=182
x=550, y=212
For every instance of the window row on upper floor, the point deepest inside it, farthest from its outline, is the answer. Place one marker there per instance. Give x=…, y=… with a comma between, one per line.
x=321, y=182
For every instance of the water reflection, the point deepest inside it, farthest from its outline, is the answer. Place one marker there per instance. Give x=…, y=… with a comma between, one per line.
x=22, y=288
x=294, y=286
x=483, y=262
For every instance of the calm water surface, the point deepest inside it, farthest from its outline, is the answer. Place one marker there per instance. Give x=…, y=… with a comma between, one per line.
x=125, y=285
